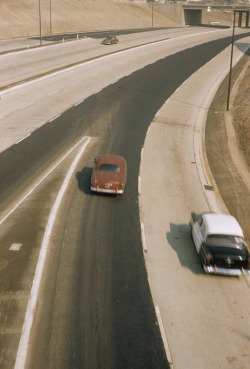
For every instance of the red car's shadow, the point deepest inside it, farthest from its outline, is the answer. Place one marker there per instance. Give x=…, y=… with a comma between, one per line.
x=84, y=177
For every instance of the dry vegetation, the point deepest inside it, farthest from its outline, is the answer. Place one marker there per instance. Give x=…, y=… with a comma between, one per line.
x=21, y=17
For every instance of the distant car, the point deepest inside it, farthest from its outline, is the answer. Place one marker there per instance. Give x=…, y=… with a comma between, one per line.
x=109, y=174
x=220, y=243
x=110, y=40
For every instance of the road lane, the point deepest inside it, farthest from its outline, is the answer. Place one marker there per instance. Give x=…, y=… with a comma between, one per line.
x=126, y=129
x=28, y=64
x=59, y=92
x=207, y=316
x=128, y=132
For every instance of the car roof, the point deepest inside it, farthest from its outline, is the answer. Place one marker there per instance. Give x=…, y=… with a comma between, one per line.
x=111, y=159
x=222, y=224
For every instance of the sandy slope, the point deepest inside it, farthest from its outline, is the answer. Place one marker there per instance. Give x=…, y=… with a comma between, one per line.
x=21, y=17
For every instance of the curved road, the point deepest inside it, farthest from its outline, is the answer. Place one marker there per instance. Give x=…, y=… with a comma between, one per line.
x=98, y=311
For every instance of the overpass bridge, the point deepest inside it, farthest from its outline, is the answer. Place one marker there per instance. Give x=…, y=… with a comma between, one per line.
x=191, y=12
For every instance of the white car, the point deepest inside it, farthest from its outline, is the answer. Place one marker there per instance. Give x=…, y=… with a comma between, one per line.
x=220, y=244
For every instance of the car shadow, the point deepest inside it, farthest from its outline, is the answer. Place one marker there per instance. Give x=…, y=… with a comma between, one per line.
x=180, y=239
x=84, y=177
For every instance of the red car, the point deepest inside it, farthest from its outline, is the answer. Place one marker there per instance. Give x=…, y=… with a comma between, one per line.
x=109, y=174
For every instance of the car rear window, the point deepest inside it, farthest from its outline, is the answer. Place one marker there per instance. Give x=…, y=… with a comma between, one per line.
x=218, y=239
x=229, y=251
x=110, y=167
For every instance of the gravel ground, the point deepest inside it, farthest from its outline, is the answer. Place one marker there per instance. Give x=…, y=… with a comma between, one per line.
x=241, y=113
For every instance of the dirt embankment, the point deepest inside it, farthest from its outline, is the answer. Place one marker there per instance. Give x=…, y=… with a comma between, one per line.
x=21, y=17
x=241, y=114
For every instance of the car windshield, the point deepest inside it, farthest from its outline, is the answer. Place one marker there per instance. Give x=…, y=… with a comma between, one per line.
x=110, y=167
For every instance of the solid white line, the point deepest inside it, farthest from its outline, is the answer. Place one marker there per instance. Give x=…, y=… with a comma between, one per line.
x=29, y=316
x=40, y=181
x=22, y=139
x=163, y=335
x=144, y=245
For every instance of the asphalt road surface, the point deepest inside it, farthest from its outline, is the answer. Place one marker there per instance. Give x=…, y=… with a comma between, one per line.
x=98, y=313
x=95, y=309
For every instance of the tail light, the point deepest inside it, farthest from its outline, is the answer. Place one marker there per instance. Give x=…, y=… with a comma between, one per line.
x=120, y=186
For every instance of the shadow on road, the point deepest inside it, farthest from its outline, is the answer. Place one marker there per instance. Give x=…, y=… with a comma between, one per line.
x=83, y=177
x=179, y=238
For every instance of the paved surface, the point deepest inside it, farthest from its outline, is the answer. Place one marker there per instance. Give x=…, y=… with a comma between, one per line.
x=179, y=287
x=183, y=116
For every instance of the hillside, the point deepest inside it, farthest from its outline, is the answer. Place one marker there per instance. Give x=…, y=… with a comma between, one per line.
x=21, y=17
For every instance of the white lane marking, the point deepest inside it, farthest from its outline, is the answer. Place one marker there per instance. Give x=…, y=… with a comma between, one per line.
x=29, y=316
x=98, y=59
x=51, y=120
x=139, y=185
x=26, y=105
x=15, y=247
x=23, y=138
x=163, y=335
x=53, y=92
x=79, y=103
x=40, y=181
x=142, y=152
x=144, y=245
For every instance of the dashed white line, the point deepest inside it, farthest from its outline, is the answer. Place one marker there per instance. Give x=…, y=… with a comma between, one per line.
x=15, y=247
x=164, y=338
x=144, y=245
x=23, y=138
x=79, y=103
x=142, y=152
x=51, y=120
x=139, y=185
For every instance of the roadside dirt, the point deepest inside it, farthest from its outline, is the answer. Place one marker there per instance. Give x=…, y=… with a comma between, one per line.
x=227, y=139
x=21, y=17
x=241, y=113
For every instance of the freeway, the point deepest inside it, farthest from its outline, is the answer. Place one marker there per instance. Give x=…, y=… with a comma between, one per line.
x=96, y=274
x=29, y=64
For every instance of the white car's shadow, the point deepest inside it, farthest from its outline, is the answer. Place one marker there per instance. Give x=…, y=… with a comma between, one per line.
x=180, y=239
